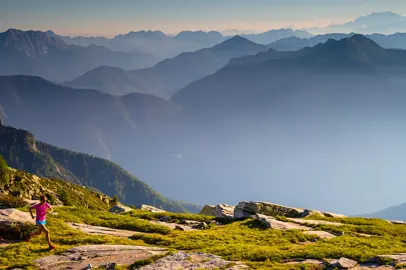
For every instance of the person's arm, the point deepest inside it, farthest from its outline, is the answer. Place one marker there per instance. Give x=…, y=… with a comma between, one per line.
x=32, y=215
x=50, y=208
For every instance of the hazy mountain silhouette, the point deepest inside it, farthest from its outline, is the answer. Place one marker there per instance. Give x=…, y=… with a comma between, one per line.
x=80, y=120
x=212, y=37
x=164, y=46
x=23, y=152
x=168, y=76
x=397, y=212
x=153, y=42
x=333, y=111
x=274, y=35
x=43, y=54
x=376, y=22
x=394, y=41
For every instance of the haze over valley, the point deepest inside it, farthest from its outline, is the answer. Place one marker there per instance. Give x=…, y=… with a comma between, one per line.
x=201, y=116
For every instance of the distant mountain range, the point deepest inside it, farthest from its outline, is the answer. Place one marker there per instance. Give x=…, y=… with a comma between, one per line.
x=397, y=212
x=394, y=41
x=164, y=46
x=274, y=35
x=244, y=124
x=43, y=54
x=377, y=22
x=81, y=120
x=170, y=75
x=22, y=151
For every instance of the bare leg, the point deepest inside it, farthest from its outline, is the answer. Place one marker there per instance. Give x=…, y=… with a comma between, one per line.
x=47, y=234
x=36, y=233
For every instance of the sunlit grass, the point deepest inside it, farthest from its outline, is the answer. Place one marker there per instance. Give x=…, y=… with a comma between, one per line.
x=243, y=241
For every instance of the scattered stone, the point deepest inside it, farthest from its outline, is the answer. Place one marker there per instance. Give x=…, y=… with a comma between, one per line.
x=272, y=223
x=397, y=222
x=399, y=258
x=321, y=234
x=309, y=212
x=333, y=215
x=173, y=226
x=305, y=261
x=246, y=209
x=345, y=263
x=165, y=219
x=179, y=228
x=98, y=230
x=150, y=208
x=314, y=222
x=200, y=226
x=97, y=256
x=119, y=208
x=192, y=261
x=220, y=210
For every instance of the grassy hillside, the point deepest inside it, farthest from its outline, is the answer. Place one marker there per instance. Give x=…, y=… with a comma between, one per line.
x=245, y=241
x=22, y=152
x=19, y=185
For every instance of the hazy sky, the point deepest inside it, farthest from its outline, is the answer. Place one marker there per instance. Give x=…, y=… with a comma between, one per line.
x=111, y=17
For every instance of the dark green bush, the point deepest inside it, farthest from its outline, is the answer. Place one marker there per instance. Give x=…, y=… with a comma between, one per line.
x=7, y=201
x=18, y=231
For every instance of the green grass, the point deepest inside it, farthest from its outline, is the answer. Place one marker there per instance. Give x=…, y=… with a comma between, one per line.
x=110, y=220
x=237, y=241
x=174, y=216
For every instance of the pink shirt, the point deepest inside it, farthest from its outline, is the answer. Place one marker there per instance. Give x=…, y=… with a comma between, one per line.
x=41, y=211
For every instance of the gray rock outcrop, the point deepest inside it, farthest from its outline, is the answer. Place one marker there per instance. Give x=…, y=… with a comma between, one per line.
x=150, y=208
x=119, y=208
x=220, y=210
x=97, y=255
x=192, y=261
x=248, y=209
x=11, y=216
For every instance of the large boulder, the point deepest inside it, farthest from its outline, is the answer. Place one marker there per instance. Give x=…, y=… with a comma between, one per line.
x=11, y=216
x=249, y=209
x=220, y=210
x=150, y=208
x=97, y=255
x=119, y=208
x=208, y=210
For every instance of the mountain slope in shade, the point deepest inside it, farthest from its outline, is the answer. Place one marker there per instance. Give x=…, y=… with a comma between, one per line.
x=78, y=119
x=274, y=35
x=43, y=54
x=23, y=152
x=168, y=76
x=397, y=212
x=394, y=41
x=376, y=22
x=357, y=53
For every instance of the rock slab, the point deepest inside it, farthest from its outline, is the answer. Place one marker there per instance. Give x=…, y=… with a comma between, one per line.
x=97, y=255
x=98, y=230
x=345, y=263
x=10, y=216
x=119, y=208
x=247, y=209
x=220, y=210
x=193, y=261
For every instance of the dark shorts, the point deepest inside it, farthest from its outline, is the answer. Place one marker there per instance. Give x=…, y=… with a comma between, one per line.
x=40, y=222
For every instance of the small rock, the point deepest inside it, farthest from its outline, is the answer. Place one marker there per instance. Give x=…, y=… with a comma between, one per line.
x=345, y=263
x=111, y=266
x=150, y=208
x=179, y=228
x=165, y=219
x=119, y=208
